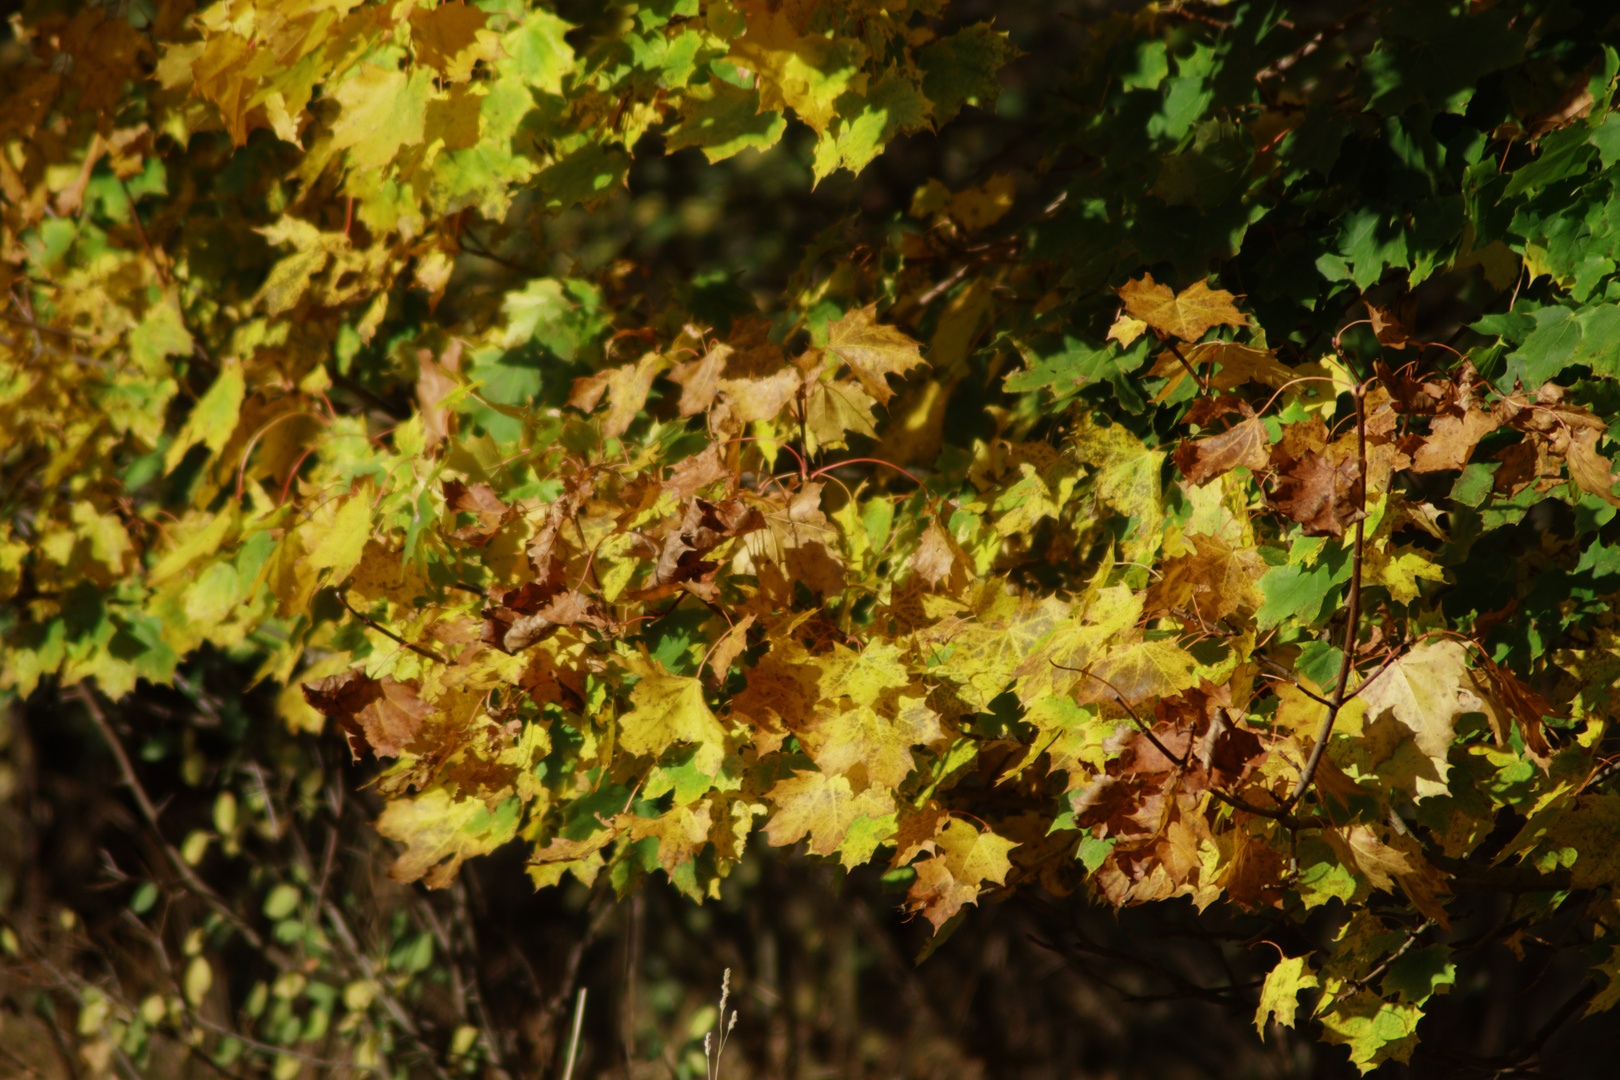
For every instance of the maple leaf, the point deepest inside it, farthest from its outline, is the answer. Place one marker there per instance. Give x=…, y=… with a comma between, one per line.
x=626, y=388
x=699, y=379
x=861, y=742
x=383, y=111
x=987, y=651
x=797, y=544
x=668, y=709
x=1375, y=1030
x=973, y=855
x=1452, y=438
x=1321, y=490
x=1524, y=704
x=444, y=33
x=723, y=120
x=481, y=502
x=1215, y=580
x=213, y=418
x=377, y=714
x=872, y=350
x=681, y=833
x=1126, y=330
x=915, y=832
x=441, y=832
x=1280, y=995
x=804, y=72
x=531, y=613
x=936, y=894
x=833, y=408
x=692, y=474
x=704, y=527
x=1127, y=480
x=939, y=559
x=822, y=807
x=1393, y=325
x=1136, y=672
x=1187, y=315
x=1244, y=443
x=1425, y=691
x=782, y=693
x=1590, y=469
x=865, y=676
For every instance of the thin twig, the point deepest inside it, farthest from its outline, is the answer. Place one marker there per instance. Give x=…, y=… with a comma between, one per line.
x=140, y=229
x=194, y=883
x=1203, y=383
x=1405, y=947
x=1352, y=617
x=326, y=1063
x=420, y=650
x=397, y=1013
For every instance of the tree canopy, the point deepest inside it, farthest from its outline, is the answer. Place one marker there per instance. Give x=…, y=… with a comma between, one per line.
x=1220, y=508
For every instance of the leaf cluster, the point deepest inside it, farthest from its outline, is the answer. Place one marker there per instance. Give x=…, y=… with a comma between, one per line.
x=1222, y=510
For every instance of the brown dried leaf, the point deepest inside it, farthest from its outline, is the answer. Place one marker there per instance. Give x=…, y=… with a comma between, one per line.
x=936, y=894
x=1393, y=325
x=480, y=501
x=626, y=389
x=691, y=475
x=381, y=714
x=699, y=380
x=704, y=527
x=1244, y=443
x=1588, y=468
x=1321, y=492
x=1452, y=438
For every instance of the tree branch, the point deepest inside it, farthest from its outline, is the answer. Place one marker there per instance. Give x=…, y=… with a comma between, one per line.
x=1352, y=616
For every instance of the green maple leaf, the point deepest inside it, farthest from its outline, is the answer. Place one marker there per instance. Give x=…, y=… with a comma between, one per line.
x=960, y=69
x=723, y=120
x=893, y=105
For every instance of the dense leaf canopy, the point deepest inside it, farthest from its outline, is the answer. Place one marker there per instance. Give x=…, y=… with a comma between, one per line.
x=1222, y=510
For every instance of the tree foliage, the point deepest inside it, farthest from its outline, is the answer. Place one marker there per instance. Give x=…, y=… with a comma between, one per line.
x=1224, y=511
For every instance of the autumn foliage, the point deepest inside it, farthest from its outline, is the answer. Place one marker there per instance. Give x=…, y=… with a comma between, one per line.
x=1224, y=511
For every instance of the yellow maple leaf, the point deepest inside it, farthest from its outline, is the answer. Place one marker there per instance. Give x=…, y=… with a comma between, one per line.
x=441, y=832
x=1425, y=691
x=974, y=856
x=822, y=807
x=668, y=709
x=681, y=833
x=872, y=350
x=803, y=72
x=1186, y=315
x=213, y=418
x=383, y=110
x=452, y=38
